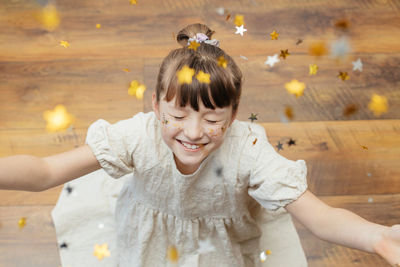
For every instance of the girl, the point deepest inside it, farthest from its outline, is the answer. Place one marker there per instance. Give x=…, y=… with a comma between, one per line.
x=194, y=174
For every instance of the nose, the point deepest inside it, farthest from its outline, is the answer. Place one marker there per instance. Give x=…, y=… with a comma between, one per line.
x=193, y=130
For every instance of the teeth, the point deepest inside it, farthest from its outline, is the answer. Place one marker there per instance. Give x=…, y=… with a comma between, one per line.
x=190, y=146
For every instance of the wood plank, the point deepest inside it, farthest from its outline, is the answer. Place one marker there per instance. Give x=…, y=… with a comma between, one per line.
x=336, y=161
x=38, y=237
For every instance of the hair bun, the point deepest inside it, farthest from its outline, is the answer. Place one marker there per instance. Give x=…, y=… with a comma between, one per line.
x=190, y=31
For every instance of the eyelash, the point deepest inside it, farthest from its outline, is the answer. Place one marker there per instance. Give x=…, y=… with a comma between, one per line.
x=180, y=118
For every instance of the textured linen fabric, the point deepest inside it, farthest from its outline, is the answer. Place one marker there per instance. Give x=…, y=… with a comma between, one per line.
x=219, y=203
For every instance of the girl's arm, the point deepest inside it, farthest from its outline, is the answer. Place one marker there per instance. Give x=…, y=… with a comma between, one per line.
x=345, y=228
x=30, y=173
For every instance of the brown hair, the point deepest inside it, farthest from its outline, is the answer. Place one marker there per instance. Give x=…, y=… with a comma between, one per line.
x=225, y=83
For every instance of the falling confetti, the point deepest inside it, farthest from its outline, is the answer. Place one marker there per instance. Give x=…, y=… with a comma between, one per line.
x=342, y=24
x=193, y=45
x=299, y=41
x=284, y=53
x=343, y=75
x=240, y=30
x=101, y=251
x=317, y=49
x=58, y=119
x=64, y=44
x=185, y=75
x=172, y=254
x=370, y=200
x=133, y=2
x=136, y=89
x=243, y=57
x=48, y=17
x=295, y=87
x=69, y=189
x=203, y=77
x=228, y=17
x=272, y=60
x=350, y=109
x=222, y=62
x=239, y=20
x=289, y=112
x=364, y=147
x=253, y=117
x=274, y=35
x=98, y=25
x=126, y=70
x=218, y=171
x=220, y=11
x=279, y=146
x=340, y=48
x=264, y=255
x=64, y=245
x=357, y=65
x=22, y=222
x=313, y=69
x=255, y=141
x=378, y=104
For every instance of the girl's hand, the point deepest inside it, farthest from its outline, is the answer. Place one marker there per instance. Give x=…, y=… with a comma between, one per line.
x=389, y=245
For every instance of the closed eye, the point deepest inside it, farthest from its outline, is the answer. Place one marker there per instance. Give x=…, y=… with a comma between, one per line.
x=211, y=121
x=178, y=118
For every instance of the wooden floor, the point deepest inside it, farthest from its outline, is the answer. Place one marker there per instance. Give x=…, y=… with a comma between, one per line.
x=352, y=160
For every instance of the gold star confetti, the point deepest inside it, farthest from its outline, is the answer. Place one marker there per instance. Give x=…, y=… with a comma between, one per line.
x=136, y=89
x=342, y=24
x=222, y=62
x=289, y=112
x=343, y=75
x=253, y=117
x=126, y=70
x=22, y=222
x=185, y=75
x=58, y=119
x=274, y=35
x=48, y=17
x=295, y=87
x=264, y=255
x=193, y=45
x=133, y=2
x=98, y=25
x=64, y=44
x=313, y=69
x=203, y=77
x=350, y=109
x=364, y=147
x=284, y=53
x=378, y=104
x=239, y=20
x=101, y=251
x=172, y=254
x=317, y=49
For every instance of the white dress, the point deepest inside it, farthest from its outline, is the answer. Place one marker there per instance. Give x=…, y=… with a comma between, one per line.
x=210, y=216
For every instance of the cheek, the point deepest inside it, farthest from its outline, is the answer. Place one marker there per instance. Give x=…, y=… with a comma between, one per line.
x=217, y=131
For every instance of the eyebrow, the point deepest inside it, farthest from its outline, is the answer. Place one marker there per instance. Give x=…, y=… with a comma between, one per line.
x=184, y=109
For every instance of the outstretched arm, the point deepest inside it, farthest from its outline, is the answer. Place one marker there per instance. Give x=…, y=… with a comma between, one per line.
x=345, y=228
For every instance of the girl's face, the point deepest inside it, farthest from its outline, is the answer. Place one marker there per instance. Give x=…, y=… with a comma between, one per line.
x=192, y=135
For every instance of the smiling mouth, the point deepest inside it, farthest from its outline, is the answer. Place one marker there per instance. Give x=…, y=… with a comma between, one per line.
x=190, y=146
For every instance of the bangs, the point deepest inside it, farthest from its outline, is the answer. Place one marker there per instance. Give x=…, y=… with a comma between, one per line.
x=220, y=92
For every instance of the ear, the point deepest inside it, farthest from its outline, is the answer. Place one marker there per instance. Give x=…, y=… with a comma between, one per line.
x=156, y=105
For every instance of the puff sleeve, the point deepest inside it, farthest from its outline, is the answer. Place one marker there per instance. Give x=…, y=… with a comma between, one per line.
x=114, y=144
x=274, y=180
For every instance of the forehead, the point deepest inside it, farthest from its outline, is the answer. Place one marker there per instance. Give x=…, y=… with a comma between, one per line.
x=172, y=105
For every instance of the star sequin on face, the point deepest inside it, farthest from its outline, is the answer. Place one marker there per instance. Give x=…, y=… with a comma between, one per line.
x=313, y=69
x=101, y=251
x=239, y=20
x=291, y=142
x=193, y=45
x=295, y=87
x=274, y=35
x=136, y=89
x=284, y=53
x=272, y=60
x=172, y=254
x=264, y=255
x=22, y=222
x=222, y=62
x=64, y=44
x=357, y=65
x=378, y=104
x=253, y=117
x=185, y=75
x=279, y=146
x=343, y=75
x=203, y=77
x=58, y=119
x=317, y=49
x=240, y=30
